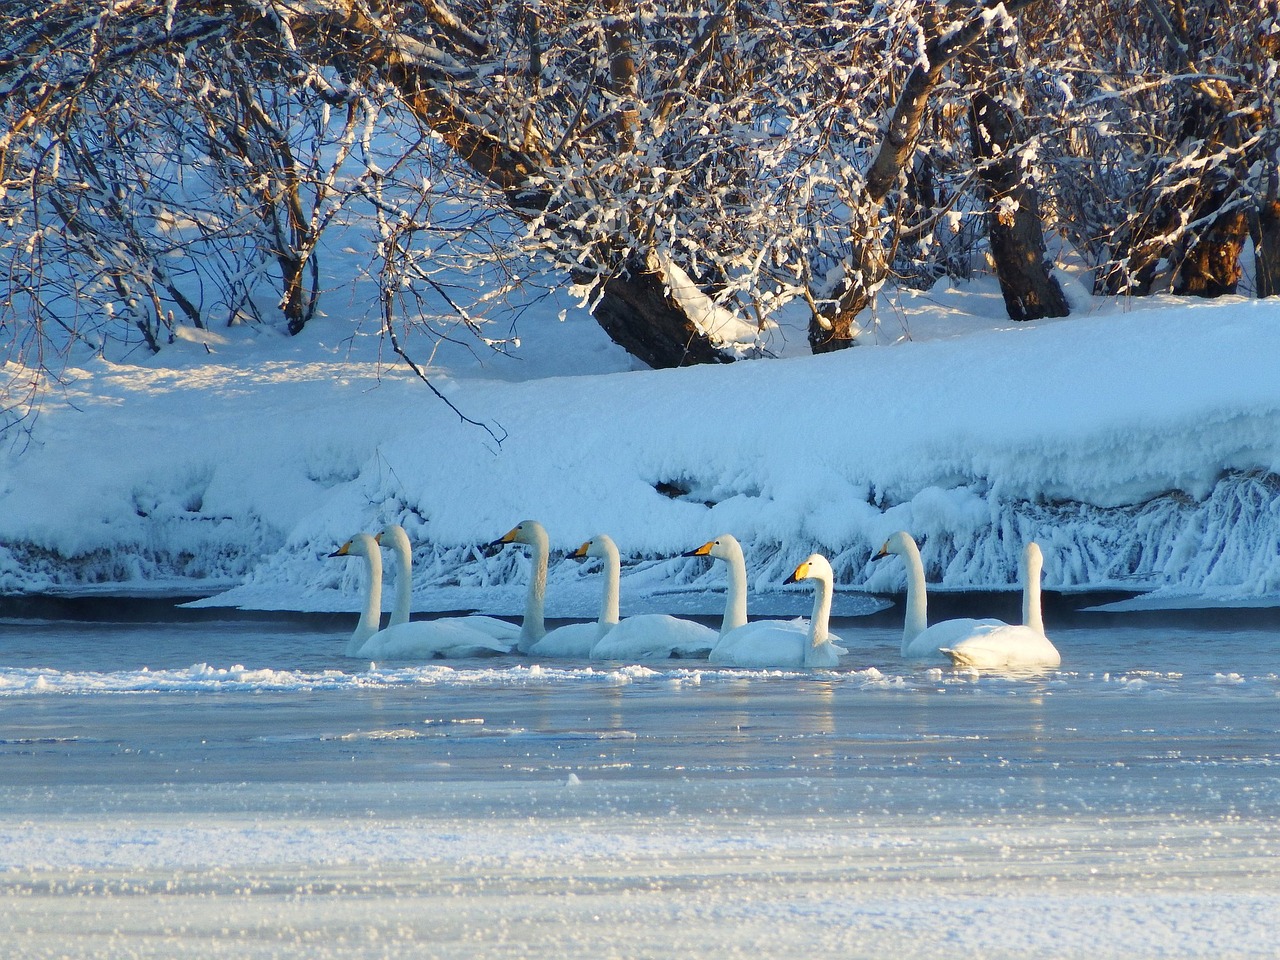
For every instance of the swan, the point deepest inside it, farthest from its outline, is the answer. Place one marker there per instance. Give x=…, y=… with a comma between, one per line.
x=726, y=547
x=1012, y=646
x=363, y=545
x=417, y=638
x=571, y=640
x=650, y=636
x=393, y=535
x=787, y=643
x=919, y=640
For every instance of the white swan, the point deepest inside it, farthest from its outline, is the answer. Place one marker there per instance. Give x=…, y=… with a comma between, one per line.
x=787, y=643
x=919, y=640
x=571, y=640
x=726, y=547
x=415, y=639
x=1012, y=646
x=650, y=636
x=363, y=545
x=393, y=535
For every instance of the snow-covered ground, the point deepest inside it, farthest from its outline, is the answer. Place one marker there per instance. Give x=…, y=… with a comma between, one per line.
x=1138, y=441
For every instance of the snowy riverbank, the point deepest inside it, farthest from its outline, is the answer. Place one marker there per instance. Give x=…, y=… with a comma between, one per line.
x=1140, y=446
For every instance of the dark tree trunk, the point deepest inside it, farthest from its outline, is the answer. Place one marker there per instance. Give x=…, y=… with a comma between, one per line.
x=1267, y=250
x=1210, y=267
x=836, y=329
x=1015, y=234
x=638, y=313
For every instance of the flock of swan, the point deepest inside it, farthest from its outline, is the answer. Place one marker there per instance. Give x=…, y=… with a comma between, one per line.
x=981, y=644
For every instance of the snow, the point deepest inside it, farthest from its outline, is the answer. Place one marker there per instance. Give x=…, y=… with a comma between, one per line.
x=1138, y=441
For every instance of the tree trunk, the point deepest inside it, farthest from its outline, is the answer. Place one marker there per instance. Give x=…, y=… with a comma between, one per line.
x=836, y=329
x=1266, y=250
x=638, y=313
x=1210, y=267
x=1013, y=216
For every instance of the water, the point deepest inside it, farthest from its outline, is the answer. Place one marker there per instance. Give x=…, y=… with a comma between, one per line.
x=203, y=787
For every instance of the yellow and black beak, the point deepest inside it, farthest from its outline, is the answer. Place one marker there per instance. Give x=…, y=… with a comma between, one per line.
x=884, y=552
x=508, y=537
x=343, y=550
x=702, y=551
x=800, y=573
x=581, y=551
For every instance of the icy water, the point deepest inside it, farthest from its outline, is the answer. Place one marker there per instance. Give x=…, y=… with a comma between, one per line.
x=237, y=788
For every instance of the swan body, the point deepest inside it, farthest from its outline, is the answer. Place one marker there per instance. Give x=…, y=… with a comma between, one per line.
x=414, y=639
x=1012, y=646
x=427, y=639
x=393, y=536
x=787, y=643
x=652, y=636
x=726, y=547
x=919, y=640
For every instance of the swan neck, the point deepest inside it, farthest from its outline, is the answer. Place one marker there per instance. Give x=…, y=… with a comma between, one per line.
x=404, y=580
x=917, y=617
x=820, y=622
x=371, y=615
x=735, y=601
x=612, y=586
x=1032, y=611
x=533, y=628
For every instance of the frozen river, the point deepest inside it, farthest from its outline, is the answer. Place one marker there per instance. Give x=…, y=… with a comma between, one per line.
x=210, y=788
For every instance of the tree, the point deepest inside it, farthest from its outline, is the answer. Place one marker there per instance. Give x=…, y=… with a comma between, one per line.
x=945, y=32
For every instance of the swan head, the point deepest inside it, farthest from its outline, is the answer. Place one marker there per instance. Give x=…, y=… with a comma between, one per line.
x=723, y=547
x=901, y=544
x=599, y=546
x=526, y=531
x=392, y=535
x=361, y=545
x=815, y=568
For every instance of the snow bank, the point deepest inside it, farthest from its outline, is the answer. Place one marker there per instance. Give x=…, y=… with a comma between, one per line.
x=1142, y=449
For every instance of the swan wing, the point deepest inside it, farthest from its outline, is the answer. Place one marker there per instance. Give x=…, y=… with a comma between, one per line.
x=763, y=644
x=573, y=640
x=426, y=639
x=655, y=636
x=1004, y=647
x=928, y=644
x=498, y=629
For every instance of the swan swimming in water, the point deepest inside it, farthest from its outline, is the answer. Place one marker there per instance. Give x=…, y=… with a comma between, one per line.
x=726, y=547
x=371, y=615
x=414, y=639
x=650, y=636
x=570, y=640
x=393, y=536
x=1004, y=646
x=919, y=640
x=788, y=643
x=923, y=642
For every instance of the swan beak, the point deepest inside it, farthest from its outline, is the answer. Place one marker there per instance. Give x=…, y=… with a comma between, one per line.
x=801, y=573
x=884, y=552
x=378, y=539
x=702, y=551
x=343, y=550
x=581, y=551
x=508, y=537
